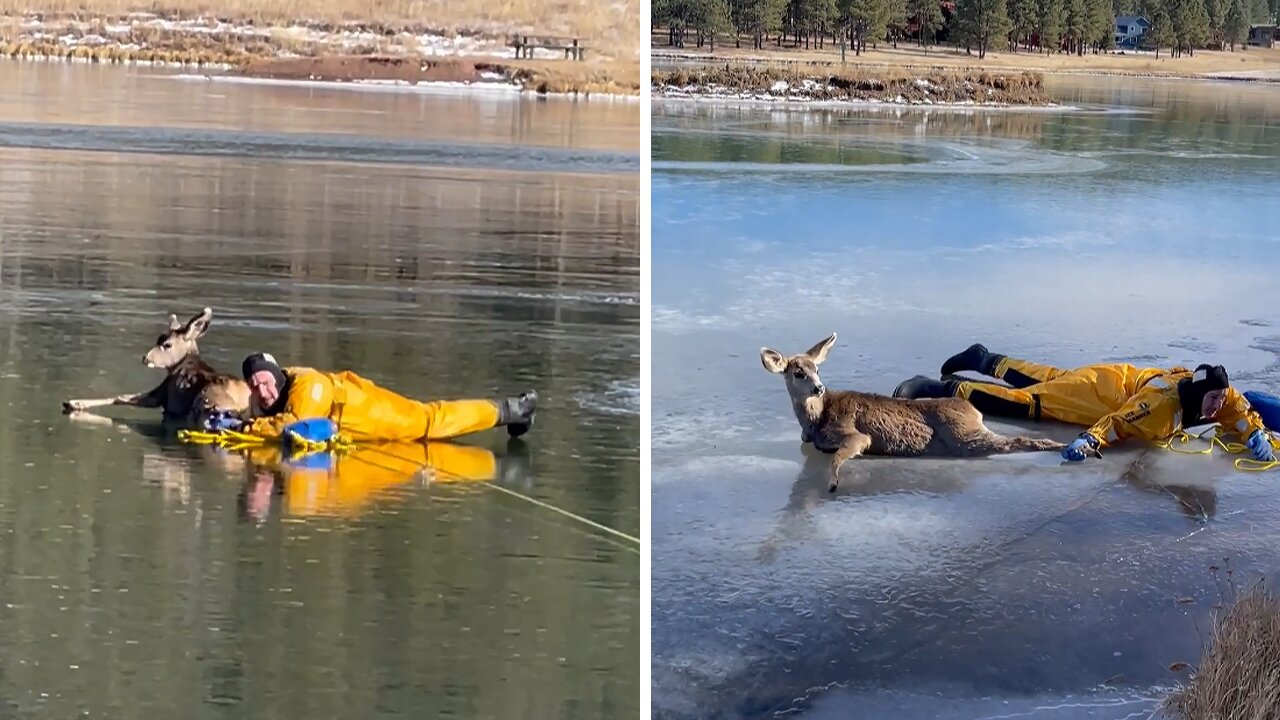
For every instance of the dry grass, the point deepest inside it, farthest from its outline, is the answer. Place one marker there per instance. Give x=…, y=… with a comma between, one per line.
x=1239, y=673
x=865, y=83
x=191, y=55
x=909, y=56
x=618, y=77
x=613, y=27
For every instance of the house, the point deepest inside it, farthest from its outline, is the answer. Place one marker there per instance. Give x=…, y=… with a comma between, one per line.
x=1129, y=31
x=1262, y=35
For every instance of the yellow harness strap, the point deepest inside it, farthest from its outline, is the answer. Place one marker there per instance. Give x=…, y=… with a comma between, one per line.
x=1182, y=437
x=229, y=439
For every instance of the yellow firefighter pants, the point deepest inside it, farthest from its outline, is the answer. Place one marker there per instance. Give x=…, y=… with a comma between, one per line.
x=443, y=419
x=1041, y=392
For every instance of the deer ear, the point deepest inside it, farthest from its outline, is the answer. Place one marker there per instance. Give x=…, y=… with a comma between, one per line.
x=772, y=360
x=819, y=352
x=199, y=324
x=173, y=323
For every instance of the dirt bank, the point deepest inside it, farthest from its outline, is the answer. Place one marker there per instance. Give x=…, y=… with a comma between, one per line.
x=818, y=84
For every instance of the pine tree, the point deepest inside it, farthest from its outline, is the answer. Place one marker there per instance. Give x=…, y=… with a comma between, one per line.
x=711, y=18
x=928, y=15
x=812, y=17
x=864, y=19
x=1161, y=32
x=1235, y=27
x=1074, y=24
x=1022, y=19
x=1100, y=24
x=1191, y=22
x=1049, y=14
x=895, y=18
x=1217, y=10
x=757, y=18
x=983, y=24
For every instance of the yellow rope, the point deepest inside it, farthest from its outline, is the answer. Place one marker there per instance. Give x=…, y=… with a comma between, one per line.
x=236, y=440
x=1182, y=437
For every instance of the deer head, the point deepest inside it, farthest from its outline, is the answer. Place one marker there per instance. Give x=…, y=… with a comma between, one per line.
x=178, y=342
x=800, y=372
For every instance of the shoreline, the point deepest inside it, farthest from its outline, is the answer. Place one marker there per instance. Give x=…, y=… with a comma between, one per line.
x=400, y=86
x=853, y=87
x=322, y=54
x=803, y=105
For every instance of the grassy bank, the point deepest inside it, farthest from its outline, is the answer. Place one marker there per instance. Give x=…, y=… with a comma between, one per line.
x=1239, y=672
x=318, y=39
x=814, y=83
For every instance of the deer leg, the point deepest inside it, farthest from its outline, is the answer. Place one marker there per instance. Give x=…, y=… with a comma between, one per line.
x=854, y=445
x=77, y=405
x=141, y=400
x=148, y=399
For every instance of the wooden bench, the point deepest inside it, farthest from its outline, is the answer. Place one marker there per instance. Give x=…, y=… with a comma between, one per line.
x=526, y=44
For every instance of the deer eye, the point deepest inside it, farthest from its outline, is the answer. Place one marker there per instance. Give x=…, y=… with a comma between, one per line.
x=799, y=374
x=168, y=346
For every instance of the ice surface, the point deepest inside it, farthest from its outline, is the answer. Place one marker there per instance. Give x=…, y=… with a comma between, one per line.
x=1018, y=586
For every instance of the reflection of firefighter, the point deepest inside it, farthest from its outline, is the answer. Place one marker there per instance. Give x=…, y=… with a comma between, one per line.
x=346, y=483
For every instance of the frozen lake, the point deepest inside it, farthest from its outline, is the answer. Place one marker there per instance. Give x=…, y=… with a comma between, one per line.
x=441, y=246
x=1138, y=226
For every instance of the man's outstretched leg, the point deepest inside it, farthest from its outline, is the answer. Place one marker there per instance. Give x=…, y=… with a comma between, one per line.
x=444, y=419
x=1070, y=398
x=988, y=398
x=1018, y=373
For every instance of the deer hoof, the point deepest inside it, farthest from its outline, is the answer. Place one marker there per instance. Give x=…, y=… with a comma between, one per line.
x=70, y=406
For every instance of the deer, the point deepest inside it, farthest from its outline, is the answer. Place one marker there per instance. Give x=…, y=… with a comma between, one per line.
x=848, y=423
x=192, y=391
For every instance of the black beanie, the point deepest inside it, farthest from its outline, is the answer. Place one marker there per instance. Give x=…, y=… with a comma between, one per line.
x=263, y=361
x=1208, y=378
x=1205, y=379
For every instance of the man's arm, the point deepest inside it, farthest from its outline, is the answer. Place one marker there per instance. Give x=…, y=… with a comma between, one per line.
x=1236, y=415
x=1149, y=414
x=310, y=396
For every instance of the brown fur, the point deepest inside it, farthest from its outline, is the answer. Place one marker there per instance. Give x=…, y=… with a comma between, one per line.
x=848, y=423
x=192, y=390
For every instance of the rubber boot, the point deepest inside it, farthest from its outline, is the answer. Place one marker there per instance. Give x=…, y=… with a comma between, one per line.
x=922, y=386
x=975, y=358
x=517, y=413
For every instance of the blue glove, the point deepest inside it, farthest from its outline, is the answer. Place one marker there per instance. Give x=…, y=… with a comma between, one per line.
x=225, y=421
x=1260, y=444
x=1075, y=451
